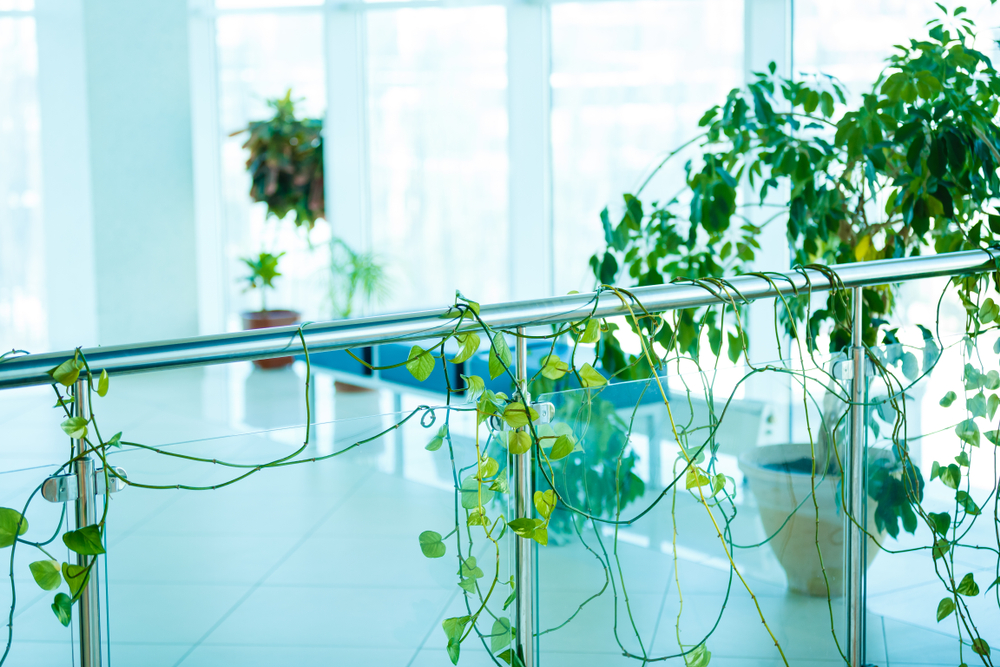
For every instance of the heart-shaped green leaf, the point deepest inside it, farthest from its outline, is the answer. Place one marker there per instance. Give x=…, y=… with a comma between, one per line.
x=420, y=363
x=516, y=416
x=47, y=574
x=86, y=541
x=12, y=524
x=563, y=447
x=76, y=577
x=474, y=387
x=470, y=345
x=553, y=367
x=545, y=502
x=437, y=440
x=68, y=372
x=518, y=442
x=62, y=607
x=968, y=586
x=592, y=333
x=590, y=377
x=500, y=359
x=102, y=384
x=501, y=635
x=75, y=427
x=471, y=493
x=431, y=544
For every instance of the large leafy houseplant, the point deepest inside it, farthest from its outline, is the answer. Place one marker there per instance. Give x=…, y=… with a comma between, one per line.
x=286, y=163
x=912, y=169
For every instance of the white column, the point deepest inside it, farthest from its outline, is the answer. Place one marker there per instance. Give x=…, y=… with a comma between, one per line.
x=345, y=135
x=66, y=204
x=142, y=185
x=213, y=295
x=530, y=173
x=767, y=38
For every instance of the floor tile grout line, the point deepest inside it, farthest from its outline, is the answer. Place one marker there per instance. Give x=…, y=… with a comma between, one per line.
x=273, y=568
x=434, y=624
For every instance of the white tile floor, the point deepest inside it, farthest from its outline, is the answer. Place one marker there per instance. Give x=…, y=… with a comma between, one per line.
x=319, y=564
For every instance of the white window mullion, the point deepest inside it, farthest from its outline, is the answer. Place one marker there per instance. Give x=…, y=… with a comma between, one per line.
x=213, y=292
x=345, y=130
x=530, y=205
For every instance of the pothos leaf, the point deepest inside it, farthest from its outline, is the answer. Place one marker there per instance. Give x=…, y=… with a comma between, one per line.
x=62, y=607
x=516, y=416
x=470, y=345
x=545, y=502
x=968, y=432
x=420, y=363
x=944, y=609
x=980, y=646
x=431, y=544
x=68, y=372
x=12, y=524
x=554, y=368
x=562, y=448
x=75, y=427
x=592, y=333
x=590, y=377
x=967, y=503
x=76, y=577
x=518, y=442
x=453, y=630
x=500, y=359
x=437, y=440
x=471, y=493
x=86, y=541
x=948, y=399
x=474, y=385
x=46, y=574
x=501, y=635
x=700, y=656
x=695, y=478
x=102, y=384
x=968, y=586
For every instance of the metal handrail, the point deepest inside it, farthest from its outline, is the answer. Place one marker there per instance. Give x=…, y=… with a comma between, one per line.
x=342, y=334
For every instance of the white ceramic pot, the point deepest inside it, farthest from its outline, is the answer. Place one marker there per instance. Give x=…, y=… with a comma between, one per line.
x=778, y=493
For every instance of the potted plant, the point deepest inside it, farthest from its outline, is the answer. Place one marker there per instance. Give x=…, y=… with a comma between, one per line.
x=286, y=163
x=263, y=271
x=911, y=169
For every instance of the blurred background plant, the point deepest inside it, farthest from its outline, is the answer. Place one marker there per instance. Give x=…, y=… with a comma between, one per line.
x=263, y=271
x=357, y=280
x=286, y=163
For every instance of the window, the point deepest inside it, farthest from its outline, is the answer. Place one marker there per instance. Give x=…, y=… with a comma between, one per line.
x=629, y=83
x=438, y=152
x=22, y=250
x=260, y=57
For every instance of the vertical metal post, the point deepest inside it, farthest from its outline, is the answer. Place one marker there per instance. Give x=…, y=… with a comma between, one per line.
x=89, y=613
x=524, y=560
x=857, y=542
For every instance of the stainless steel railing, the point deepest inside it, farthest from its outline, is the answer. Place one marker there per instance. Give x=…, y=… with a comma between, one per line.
x=343, y=334
x=327, y=336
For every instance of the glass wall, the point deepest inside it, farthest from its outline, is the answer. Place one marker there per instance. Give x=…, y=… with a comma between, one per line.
x=22, y=253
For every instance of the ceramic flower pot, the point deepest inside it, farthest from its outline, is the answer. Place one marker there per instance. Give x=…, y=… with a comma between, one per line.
x=264, y=319
x=778, y=492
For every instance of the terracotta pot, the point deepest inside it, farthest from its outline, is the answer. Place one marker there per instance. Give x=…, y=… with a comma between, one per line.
x=264, y=319
x=778, y=493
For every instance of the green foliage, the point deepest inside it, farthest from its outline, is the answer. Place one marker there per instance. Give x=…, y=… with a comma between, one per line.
x=46, y=573
x=895, y=486
x=86, y=541
x=431, y=544
x=12, y=525
x=62, y=607
x=263, y=271
x=357, y=279
x=420, y=363
x=286, y=163
x=924, y=141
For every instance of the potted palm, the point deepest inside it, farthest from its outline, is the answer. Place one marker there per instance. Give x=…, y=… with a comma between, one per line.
x=911, y=169
x=263, y=271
